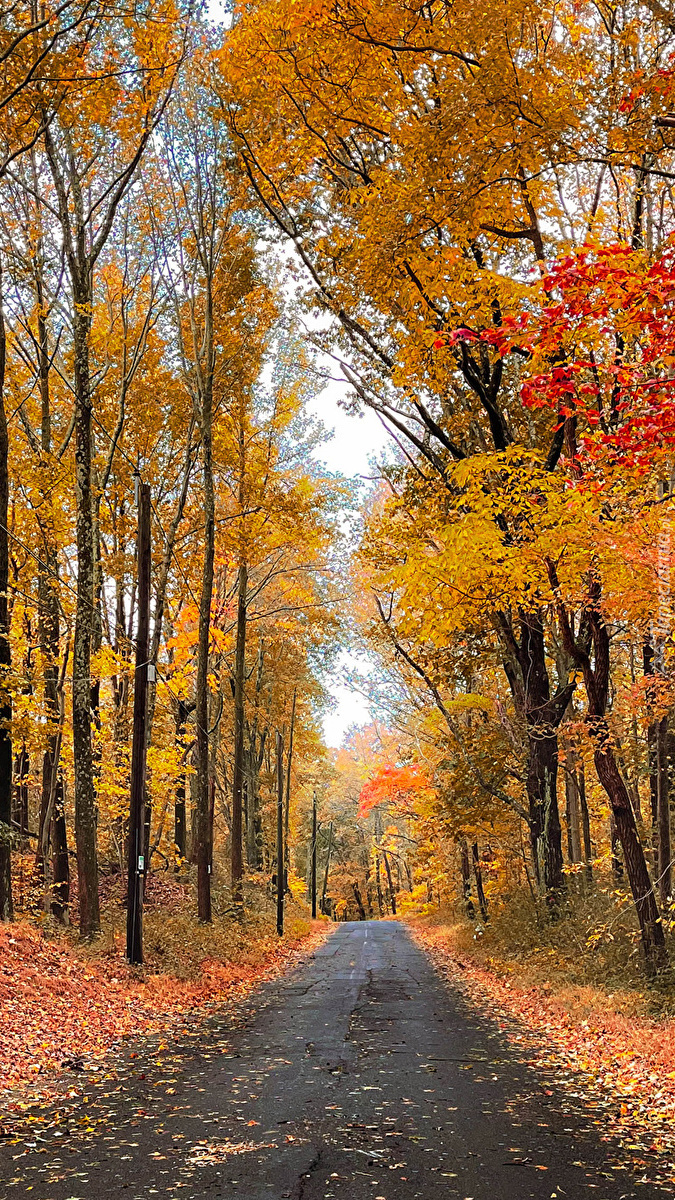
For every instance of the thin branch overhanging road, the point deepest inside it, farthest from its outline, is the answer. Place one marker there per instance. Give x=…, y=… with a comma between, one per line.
x=360, y=1076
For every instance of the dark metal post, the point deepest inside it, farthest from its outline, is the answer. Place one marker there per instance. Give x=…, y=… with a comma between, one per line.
x=137, y=865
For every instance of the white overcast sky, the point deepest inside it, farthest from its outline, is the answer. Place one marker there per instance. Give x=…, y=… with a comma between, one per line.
x=356, y=441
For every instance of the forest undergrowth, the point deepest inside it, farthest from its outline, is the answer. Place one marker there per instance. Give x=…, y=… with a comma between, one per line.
x=578, y=1009
x=69, y=1005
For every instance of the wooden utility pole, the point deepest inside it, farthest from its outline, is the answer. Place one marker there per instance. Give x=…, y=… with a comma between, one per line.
x=313, y=881
x=325, y=878
x=136, y=869
x=280, y=834
x=287, y=818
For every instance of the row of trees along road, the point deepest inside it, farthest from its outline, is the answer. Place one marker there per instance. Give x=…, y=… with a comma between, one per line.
x=479, y=203
x=143, y=335
x=481, y=198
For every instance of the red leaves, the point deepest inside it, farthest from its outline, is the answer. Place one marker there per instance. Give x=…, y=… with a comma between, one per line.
x=600, y=348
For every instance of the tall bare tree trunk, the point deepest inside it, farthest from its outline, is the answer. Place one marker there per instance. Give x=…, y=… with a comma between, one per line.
x=204, y=829
x=392, y=893
x=478, y=875
x=326, y=873
x=60, y=890
x=585, y=824
x=593, y=635
x=6, y=908
x=85, y=793
x=239, y=677
x=664, y=869
x=465, y=871
x=239, y=717
x=572, y=811
x=52, y=812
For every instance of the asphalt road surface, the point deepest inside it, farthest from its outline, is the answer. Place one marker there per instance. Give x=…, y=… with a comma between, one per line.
x=360, y=1076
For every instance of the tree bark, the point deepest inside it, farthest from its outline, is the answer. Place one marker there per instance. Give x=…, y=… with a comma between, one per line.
x=204, y=829
x=327, y=870
x=585, y=825
x=289, y=763
x=60, y=890
x=615, y=849
x=652, y=751
x=527, y=672
x=85, y=793
x=239, y=717
x=465, y=870
x=634, y=859
x=664, y=869
x=542, y=792
x=594, y=635
x=6, y=906
x=359, y=901
x=478, y=875
x=572, y=811
x=49, y=628
x=392, y=894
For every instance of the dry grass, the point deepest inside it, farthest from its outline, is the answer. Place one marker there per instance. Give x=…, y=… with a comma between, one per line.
x=177, y=945
x=591, y=950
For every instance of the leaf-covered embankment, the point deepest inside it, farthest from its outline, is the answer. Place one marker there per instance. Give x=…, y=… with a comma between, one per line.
x=66, y=1007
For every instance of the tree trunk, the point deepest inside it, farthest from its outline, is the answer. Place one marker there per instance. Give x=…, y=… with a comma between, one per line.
x=22, y=768
x=465, y=870
x=49, y=633
x=239, y=717
x=60, y=890
x=585, y=825
x=615, y=849
x=249, y=797
x=359, y=902
x=6, y=907
x=48, y=573
x=280, y=857
x=651, y=926
x=327, y=870
x=478, y=874
x=179, y=834
x=526, y=669
x=542, y=793
x=392, y=894
x=378, y=871
x=572, y=812
x=664, y=870
x=85, y=794
x=652, y=752
x=204, y=830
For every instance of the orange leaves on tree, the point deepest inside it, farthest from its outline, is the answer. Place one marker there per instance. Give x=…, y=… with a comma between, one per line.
x=392, y=785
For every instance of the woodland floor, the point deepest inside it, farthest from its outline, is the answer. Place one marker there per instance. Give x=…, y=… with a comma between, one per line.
x=69, y=1009
x=363, y=1072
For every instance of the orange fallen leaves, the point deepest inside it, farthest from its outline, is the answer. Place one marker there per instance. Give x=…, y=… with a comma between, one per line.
x=61, y=1011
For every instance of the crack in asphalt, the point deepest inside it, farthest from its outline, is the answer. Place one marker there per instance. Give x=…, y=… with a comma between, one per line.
x=307, y=1175
x=363, y=1077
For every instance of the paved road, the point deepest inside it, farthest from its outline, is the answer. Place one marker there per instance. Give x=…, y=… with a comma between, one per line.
x=359, y=1077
